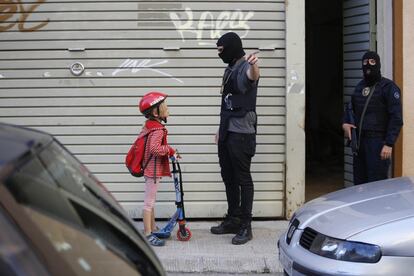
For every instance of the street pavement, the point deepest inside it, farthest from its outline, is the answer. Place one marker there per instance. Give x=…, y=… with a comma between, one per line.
x=224, y=274
x=209, y=254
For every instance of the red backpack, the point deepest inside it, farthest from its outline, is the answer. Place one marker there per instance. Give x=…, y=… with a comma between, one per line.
x=134, y=160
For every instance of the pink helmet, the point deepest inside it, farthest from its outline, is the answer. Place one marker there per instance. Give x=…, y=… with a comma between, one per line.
x=151, y=100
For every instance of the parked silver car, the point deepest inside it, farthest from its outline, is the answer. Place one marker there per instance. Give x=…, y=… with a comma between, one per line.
x=362, y=230
x=57, y=219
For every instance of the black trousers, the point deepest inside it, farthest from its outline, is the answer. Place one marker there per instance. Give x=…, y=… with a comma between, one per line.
x=368, y=165
x=235, y=156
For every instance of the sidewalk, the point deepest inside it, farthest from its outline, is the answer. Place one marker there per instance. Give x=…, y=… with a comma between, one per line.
x=206, y=252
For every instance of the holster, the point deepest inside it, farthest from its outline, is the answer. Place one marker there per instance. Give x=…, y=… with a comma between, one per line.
x=353, y=143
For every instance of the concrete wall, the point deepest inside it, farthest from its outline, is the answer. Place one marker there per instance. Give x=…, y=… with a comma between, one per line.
x=408, y=87
x=295, y=105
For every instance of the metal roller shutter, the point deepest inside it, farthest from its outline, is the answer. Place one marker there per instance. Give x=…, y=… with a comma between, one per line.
x=129, y=48
x=358, y=38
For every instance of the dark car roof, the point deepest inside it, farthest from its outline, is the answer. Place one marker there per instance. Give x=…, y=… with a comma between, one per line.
x=15, y=141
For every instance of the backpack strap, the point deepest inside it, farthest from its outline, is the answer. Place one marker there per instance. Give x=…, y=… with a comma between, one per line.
x=145, y=164
x=155, y=162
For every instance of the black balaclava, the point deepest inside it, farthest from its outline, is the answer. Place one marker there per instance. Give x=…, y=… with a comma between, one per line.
x=232, y=48
x=372, y=73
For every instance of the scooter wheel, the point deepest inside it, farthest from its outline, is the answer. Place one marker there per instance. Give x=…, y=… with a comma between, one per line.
x=185, y=237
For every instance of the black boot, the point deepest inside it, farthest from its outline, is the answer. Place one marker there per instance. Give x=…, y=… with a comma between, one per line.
x=230, y=225
x=244, y=235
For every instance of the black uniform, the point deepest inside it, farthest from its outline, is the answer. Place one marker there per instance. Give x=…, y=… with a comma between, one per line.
x=237, y=139
x=381, y=123
x=237, y=147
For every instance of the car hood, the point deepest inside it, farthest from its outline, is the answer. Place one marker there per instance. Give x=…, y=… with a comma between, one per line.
x=353, y=210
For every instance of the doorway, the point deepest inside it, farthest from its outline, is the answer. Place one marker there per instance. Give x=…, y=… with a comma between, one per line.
x=324, y=98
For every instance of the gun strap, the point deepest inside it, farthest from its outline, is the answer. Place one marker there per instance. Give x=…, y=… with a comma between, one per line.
x=371, y=91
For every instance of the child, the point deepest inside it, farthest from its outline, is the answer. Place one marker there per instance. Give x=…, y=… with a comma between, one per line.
x=157, y=151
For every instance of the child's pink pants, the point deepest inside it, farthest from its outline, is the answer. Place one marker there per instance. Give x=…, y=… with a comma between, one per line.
x=151, y=188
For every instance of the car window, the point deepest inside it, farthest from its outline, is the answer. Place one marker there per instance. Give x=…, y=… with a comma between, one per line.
x=65, y=170
x=85, y=255
x=16, y=257
x=75, y=178
x=31, y=184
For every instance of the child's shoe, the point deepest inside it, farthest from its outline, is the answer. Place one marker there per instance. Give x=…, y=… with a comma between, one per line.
x=154, y=241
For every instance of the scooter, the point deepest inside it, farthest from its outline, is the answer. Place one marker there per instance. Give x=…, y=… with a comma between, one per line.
x=183, y=232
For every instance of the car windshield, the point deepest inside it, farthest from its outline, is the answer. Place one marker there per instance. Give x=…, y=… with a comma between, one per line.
x=82, y=223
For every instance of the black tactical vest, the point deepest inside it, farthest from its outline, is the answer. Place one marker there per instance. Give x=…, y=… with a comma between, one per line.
x=376, y=115
x=235, y=103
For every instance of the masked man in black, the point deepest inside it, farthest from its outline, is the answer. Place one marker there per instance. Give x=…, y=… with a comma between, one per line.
x=236, y=137
x=376, y=104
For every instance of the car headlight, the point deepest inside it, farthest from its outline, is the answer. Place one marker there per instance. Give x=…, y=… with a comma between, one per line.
x=345, y=250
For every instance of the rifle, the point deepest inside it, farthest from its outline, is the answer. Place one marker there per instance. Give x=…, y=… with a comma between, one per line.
x=351, y=119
